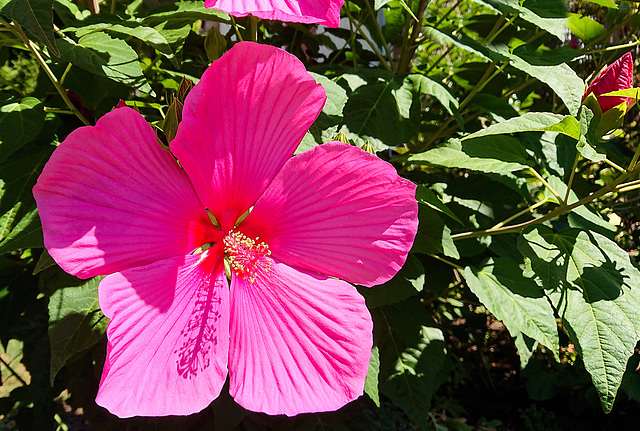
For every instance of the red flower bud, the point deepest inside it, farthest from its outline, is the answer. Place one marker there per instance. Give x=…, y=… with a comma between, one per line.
x=616, y=76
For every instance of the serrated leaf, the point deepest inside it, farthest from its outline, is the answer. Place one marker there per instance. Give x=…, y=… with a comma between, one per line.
x=595, y=289
x=533, y=122
x=336, y=95
x=407, y=282
x=517, y=301
x=104, y=55
x=75, y=320
x=497, y=154
x=426, y=86
x=20, y=123
x=166, y=39
x=552, y=23
x=371, y=382
x=36, y=16
x=561, y=78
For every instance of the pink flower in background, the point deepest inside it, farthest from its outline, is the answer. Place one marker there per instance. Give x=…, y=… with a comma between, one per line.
x=616, y=76
x=325, y=12
x=291, y=335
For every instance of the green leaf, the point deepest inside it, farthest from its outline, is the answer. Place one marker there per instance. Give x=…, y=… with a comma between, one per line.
x=517, y=301
x=525, y=345
x=36, y=16
x=167, y=40
x=336, y=95
x=588, y=143
x=412, y=358
x=27, y=233
x=553, y=23
x=533, y=122
x=585, y=27
x=433, y=235
x=497, y=154
x=188, y=11
x=378, y=111
x=45, y=261
x=18, y=175
x=371, y=382
x=407, y=282
x=424, y=85
x=594, y=287
x=627, y=92
x=426, y=196
x=605, y=3
x=75, y=320
x=561, y=78
x=20, y=123
x=104, y=55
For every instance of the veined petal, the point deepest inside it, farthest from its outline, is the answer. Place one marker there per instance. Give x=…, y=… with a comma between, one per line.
x=111, y=199
x=300, y=342
x=326, y=12
x=338, y=211
x=168, y=337
x=241, y=123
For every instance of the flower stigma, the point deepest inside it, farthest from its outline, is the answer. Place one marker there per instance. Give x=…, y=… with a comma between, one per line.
x=245, y=256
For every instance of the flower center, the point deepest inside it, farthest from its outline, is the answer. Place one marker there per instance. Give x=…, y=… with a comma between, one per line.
x=245, y=256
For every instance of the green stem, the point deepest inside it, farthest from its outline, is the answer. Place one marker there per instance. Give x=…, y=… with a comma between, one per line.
x=375, y=50
x=571, y=177
x=613, y=48
x=35, y=50
x=448, y=262
x=520, y=213
x=16, y=375
x=547, y=185
x=235, y=27
x=613, y=186
x=380, y=34
x=254, y=20
x=409, y=46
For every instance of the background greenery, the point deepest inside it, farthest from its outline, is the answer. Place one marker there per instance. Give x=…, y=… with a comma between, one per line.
x=519, y=306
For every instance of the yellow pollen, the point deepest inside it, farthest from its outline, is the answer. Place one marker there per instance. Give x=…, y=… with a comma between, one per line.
x=246, y=256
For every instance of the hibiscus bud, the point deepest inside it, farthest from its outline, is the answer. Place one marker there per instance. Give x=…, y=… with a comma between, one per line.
x=617, y=76
x=368, y=147
x=341, y=137
x=215, y=44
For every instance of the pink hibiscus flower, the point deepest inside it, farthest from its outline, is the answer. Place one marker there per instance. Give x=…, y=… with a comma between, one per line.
x=325, y=12
x=616, y=76
x=291, y=335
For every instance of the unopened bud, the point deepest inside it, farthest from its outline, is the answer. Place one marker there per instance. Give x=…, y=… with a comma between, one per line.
x=341, y=137
x=616, y=76
x=368, y=147
x=215, y=44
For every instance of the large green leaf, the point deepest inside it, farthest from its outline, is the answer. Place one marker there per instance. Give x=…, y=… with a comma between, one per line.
x=533, y=122
x=18, y=217
x=517, y=301
x=433, y=235
x=379, y=111
x=167, y=40
x=75, y=320
x=497, y=154
x=561, y=78
x=554, y=24
x=187, y=11
x=407, y=282
x=413, y=360
x=34, y=15
x=423, y=85
x=104, y=55
x=595, y=289
x=20, y=122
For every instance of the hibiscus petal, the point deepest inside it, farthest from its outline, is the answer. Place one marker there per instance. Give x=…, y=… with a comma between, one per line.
x=339, y=211
x=326, y=12
x=300, y=342
x=241, y=123
x=168, y=337
x=110, y=199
